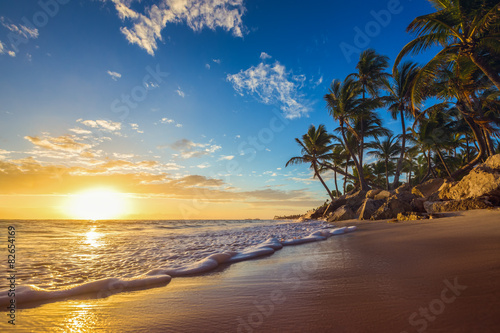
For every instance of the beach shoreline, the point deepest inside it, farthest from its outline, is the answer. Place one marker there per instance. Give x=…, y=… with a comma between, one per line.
x=438, y=275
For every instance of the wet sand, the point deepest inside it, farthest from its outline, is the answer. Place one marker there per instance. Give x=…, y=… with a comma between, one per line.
x=438, y=275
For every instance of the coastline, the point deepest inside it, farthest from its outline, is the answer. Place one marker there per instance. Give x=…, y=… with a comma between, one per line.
x=374, y=279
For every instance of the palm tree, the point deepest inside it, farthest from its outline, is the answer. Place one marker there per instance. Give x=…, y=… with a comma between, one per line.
x=399, y=102
x=316, y=146
x=463, y=28
x=344, y=103
x=370, y=75
x=386, y=151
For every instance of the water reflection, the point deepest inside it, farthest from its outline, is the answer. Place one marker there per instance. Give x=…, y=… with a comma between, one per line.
x=93, y=238
x=82, y=319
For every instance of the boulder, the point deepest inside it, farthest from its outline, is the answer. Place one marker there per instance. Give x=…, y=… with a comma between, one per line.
x=403, y=188
x=484, y=180
x=433, y=207
x=382, y=195
x=417, y=205
x=372, y=193
x=398, y=203
x=428, y=188
x=355, y=200
x=342, y=213
x=369, y=207
x=315, y=213
x=334, y=205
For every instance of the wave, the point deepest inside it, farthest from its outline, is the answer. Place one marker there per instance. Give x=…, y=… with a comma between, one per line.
x=162, y=276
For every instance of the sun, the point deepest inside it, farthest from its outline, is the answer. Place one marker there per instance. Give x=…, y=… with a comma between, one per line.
x=96, y=204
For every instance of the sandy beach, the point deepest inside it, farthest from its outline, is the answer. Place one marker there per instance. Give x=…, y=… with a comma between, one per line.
x=440, y=275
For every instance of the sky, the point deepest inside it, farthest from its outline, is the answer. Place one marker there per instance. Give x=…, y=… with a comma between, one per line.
x=184, y=109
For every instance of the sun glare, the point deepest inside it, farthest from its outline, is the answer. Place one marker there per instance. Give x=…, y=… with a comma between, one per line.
x=96, y=204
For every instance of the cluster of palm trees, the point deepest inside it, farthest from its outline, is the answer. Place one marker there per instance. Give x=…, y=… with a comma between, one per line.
x=449, y=108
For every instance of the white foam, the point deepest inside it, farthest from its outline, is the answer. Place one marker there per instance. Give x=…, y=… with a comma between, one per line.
x=102, y=288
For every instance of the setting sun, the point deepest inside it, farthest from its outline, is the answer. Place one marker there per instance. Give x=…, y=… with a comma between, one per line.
x=96, y=204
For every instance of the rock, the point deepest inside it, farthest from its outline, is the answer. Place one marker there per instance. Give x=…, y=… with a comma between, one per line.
x=484, y=180
x=428, y=188
x=456, y=205
x=443, y=190
x=398, y=203
x=403, y=188
x=417, y=205
x=382, y=195
x=355, y=200
x=369, y=207
x=372, y=193
x=342, y=213
x=334, y=205
x=315, y=213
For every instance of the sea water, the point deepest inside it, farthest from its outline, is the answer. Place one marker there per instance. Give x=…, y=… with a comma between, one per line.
x=60, y=258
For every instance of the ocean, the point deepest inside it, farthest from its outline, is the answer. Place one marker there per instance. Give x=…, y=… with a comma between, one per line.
x=61, y=258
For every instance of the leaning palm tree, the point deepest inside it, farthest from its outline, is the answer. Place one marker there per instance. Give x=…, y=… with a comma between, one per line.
x=370, y=75
x=399, y=103
x=344, y=104
x=316, y=148
x=463, y=28
x=386, y=151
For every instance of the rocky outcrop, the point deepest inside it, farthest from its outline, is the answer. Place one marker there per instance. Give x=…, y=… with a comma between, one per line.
x=315, y=213
x=433, y=207
x=484, y=180
x=403, y=188
x=372, y=193
x=355, y=200
x=382, y=195
x=368, y=208
x=429, y=188
x=341, y=214
x=398, y=203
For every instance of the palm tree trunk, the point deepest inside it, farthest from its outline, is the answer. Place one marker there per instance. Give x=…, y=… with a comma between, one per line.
x=485, y=67
x=480, y=141
x=346, y=171
x=315, y=167
x=489, y=143
x=467, y=143
x=444, y=163
x=428, y=158
x=361, y=175
x=336, y=186
x=401, y=157
x=387, y=174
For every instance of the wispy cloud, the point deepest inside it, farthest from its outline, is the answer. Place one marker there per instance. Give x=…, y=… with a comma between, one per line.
x=22, y=31
x=135, y=127
x=264, y=56
x=197, y=14
x=63, y=143
x=101, y=124
x=170, y=121
x=189, y=149
x=226, y=158
x=114, y=75
x=273, y=85
x=180, y=92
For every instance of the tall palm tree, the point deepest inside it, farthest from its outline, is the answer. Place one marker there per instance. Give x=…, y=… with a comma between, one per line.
x=370, y=75
x=344, y=103
x=463, y=28
x=399, y=103
x=316, y=147
x=386, y=151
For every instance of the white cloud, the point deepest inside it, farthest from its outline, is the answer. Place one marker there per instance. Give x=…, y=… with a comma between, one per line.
x=217, y=61
x=109, y=126
x=203, y=165
x=170, y=121
x=12, y=53
x=1, y=48
x=21, y=30
x=114, y=75
x=3, y=153
x=189, y=149
x=178, y=125
x=207, y=66
x=135, y=127
x=197, y=14
x=79, y=130
x=226, y=158
x=180, y=92
x=273, y=85
x=264, y=56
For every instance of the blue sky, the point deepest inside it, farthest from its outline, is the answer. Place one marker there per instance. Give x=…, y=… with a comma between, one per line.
x=187, y=94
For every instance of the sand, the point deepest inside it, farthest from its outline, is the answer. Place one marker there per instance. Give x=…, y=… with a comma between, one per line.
x=439, y=275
